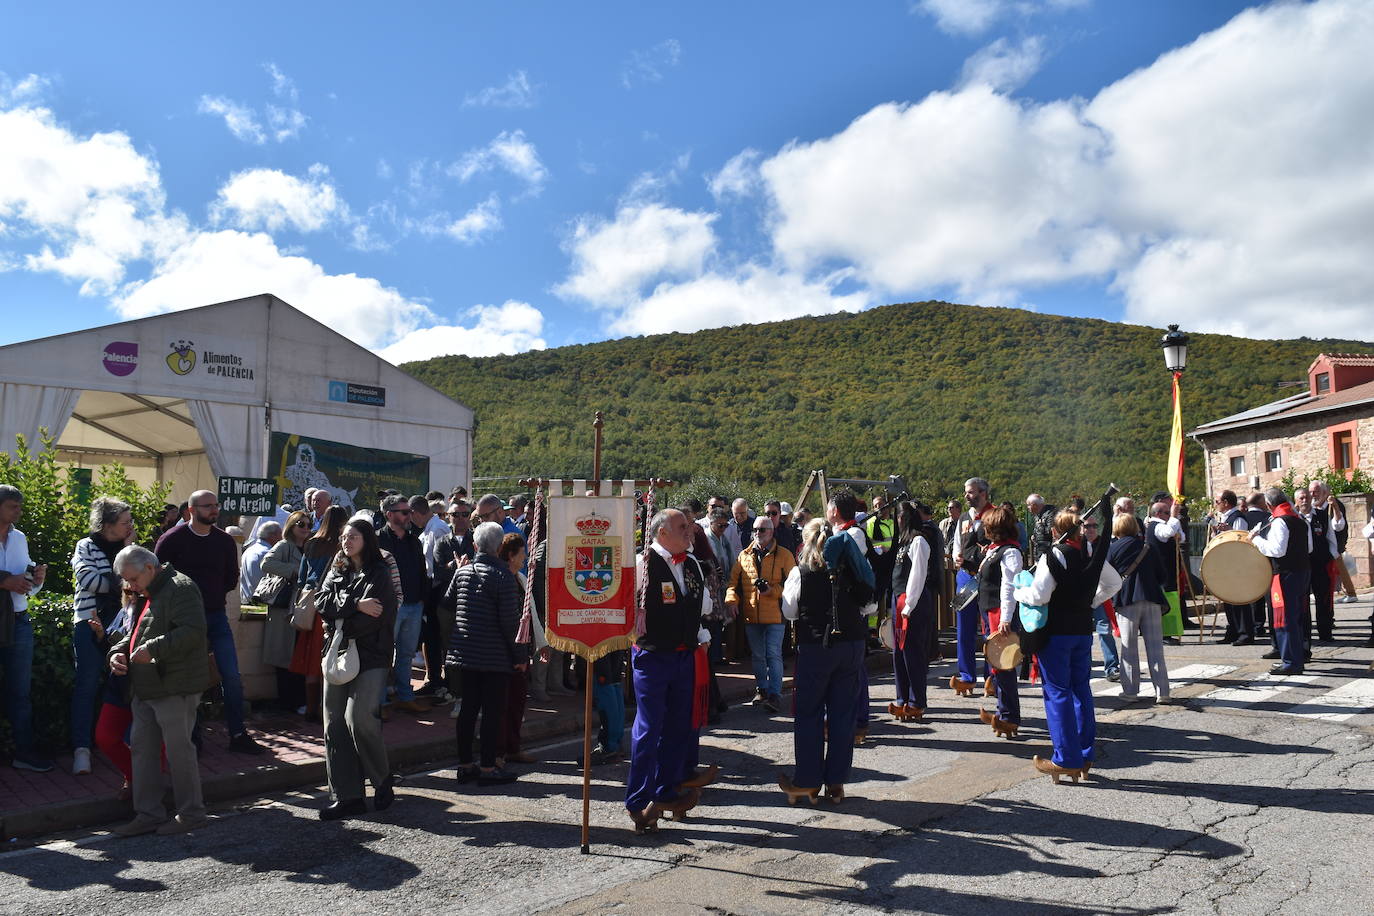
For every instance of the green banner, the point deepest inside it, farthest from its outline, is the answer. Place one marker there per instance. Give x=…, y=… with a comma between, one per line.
x=352, y=474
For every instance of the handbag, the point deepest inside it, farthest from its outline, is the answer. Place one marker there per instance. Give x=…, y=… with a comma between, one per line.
x=341, y=661
x=273, y=590
x=303, y=610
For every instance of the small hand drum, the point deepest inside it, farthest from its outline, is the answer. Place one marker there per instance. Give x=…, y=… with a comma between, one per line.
x=1003, y=650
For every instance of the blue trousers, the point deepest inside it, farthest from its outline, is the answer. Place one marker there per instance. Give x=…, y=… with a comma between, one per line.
x=221, y=640
x=1291, y=637
x=826, y=690
x=663, y=724
x=861, y=700
x=966, y=636
x=609, y=699
x=17, y=661
x=765, y=648
x=911, y=663
x=409, y=618
x=1110, y=660
x=1008, y=697
x=1065, y=671
x=90, y=663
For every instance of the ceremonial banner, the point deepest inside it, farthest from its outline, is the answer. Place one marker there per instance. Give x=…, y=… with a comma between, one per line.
x=1174, y=484
x=351, y=473
x=591, y=574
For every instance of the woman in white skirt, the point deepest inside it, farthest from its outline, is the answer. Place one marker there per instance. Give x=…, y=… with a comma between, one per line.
x=1140, y=607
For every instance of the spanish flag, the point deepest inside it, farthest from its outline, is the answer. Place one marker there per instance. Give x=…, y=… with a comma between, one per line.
x=1174, y=483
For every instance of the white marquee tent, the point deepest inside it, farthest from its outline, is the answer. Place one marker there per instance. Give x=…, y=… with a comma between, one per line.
x=193, y=395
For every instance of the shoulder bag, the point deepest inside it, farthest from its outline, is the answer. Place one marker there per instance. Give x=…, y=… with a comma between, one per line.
x=341, y=661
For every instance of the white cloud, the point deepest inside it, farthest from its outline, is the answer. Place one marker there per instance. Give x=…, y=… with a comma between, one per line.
x=512, y=327
x=27, y=89
x=270, y=199
x=241, y=120
x=612, y=261
x=515, y=92
x=384, y=170
x=647, y=66
x=1004, y=66
x=508, y=151
x=217, y=266
x=481, y=220
x=752, y=295
x=279, y=122
x=739, y=176
x=971, y=17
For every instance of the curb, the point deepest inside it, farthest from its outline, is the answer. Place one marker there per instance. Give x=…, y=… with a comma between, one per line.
x=57, y=817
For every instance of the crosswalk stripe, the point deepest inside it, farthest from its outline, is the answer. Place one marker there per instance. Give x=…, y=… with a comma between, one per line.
x=1179, y=678
x=1345, y=702
x=1256, y=690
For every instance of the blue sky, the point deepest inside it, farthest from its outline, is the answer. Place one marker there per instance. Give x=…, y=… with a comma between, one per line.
x=482, y=178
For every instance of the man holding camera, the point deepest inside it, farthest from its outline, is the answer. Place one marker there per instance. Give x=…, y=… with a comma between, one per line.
x=755, y=591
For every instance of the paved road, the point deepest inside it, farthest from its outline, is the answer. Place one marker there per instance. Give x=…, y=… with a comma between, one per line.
x=1252, y=796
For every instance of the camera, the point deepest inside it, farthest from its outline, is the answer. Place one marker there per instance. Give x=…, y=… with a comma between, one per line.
x=761, y=584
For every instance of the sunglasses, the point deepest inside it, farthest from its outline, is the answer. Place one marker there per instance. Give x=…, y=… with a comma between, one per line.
x=773, y=512
x=400, y=511
x=762, y=529
x=301, y=525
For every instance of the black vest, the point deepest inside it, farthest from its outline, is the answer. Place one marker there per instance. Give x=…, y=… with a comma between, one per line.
x=1296, y=557
x=935, y=566
x=1256, y=517
x=990, y=579
x=1320, y=522
x=813, y=608
x=671, y=624
x=1342, y=536
x=1229, y=519
x=1071, y=603
x=1168, y=552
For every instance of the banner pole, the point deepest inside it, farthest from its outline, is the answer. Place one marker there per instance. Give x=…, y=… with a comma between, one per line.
x=597, y=423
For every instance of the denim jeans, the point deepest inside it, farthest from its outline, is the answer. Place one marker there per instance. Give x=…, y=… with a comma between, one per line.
x=765, y=647
x=408, y=620
x=1110, y=660
x=90, y=662
x=221, y=640
x=17, y=661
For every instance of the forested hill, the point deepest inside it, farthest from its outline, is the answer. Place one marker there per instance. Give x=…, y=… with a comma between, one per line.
x=933, y=391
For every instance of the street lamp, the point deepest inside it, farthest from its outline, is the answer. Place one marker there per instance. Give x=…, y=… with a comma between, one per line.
x=1175, y=344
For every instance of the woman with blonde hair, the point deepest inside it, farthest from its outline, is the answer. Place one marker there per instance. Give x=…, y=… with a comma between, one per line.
x=1142, y=607
x=825, y=594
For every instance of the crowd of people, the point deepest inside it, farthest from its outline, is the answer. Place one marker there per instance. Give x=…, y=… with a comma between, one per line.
x=355, y=604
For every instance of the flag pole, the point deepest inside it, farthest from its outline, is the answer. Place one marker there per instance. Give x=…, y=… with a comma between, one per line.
x=597, y=423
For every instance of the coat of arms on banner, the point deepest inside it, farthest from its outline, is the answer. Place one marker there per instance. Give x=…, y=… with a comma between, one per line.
x=592, y=561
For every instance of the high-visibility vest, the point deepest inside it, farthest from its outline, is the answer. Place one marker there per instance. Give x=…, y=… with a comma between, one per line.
x=880, y=532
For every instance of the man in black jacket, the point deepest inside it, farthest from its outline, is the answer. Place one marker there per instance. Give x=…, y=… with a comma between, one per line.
x=399, y=539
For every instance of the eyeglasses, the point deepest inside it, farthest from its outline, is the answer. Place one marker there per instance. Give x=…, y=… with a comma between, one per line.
x=773, y=512
x=763, y=529
x=459, y=514
x=1093, y=527
x=400, y=511
x=301, y=525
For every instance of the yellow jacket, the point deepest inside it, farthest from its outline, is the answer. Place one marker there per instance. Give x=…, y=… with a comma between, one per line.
x=756, y=606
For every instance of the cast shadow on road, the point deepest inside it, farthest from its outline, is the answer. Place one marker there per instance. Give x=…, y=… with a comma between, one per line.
x=336, y=855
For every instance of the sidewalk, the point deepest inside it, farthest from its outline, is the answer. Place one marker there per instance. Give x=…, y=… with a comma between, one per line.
x=34, y=804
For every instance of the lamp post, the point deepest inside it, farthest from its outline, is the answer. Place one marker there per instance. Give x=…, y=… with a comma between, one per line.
x=1175, y=344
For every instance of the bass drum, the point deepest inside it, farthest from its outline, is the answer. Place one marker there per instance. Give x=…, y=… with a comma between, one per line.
x=1234, y=570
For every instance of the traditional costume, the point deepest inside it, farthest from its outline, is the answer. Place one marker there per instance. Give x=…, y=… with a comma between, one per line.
x=671, y=603
x=1325, y=575
x=967, y=617
x=916, y=581
x=996, y=573
x=1287, y=541
x=828, y=666
x=1067, y=583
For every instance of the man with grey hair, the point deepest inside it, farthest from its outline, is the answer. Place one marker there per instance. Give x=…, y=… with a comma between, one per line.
x=1042, y=532
x=250, y=564
x=210, y=558
x=740, y=532
x=491, y=508
x=19, y=579
x=316, y=504
x=164, y=655
x=1287, y=540
x=671, y=600
x=1328, y=523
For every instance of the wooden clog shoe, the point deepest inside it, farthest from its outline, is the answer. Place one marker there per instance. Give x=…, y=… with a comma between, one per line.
x=913, y=713
x=989, y=687
x=645, y=821
x=701, y=778
x=835, y=793
x=1055, y=771
x=963, y=688
x=1000, y=727
x=677, y=808
x=797, y=792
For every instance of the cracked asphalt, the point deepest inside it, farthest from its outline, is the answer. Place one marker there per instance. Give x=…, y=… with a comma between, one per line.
x=1192, y=808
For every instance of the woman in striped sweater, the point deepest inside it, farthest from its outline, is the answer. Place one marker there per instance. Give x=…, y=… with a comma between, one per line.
x=97, y=602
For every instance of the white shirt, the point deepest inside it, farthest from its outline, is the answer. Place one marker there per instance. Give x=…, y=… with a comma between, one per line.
x=1275, y=543
x=1331, y=528
x=14, y=560
x=1238, y=520
x=859, y=537
x=1167, y=530
x=703, y=634
x=430, y=536
x=1012, y=563
x=919, y=552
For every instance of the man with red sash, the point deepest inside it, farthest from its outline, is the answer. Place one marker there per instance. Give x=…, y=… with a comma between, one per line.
x=1287, y=540
x=671, y=601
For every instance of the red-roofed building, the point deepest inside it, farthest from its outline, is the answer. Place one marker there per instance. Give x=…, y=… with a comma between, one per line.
x=1329, y=424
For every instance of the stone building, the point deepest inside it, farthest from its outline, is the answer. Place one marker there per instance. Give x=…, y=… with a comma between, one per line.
x=1329, y=424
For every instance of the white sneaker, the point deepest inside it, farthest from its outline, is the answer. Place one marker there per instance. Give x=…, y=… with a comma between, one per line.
x=1348, y=599
x=81, y=761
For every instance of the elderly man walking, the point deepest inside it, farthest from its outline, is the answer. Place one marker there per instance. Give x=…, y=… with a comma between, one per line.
x=165, y=656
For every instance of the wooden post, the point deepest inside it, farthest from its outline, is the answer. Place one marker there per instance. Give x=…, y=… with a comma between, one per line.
x=589, y=678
